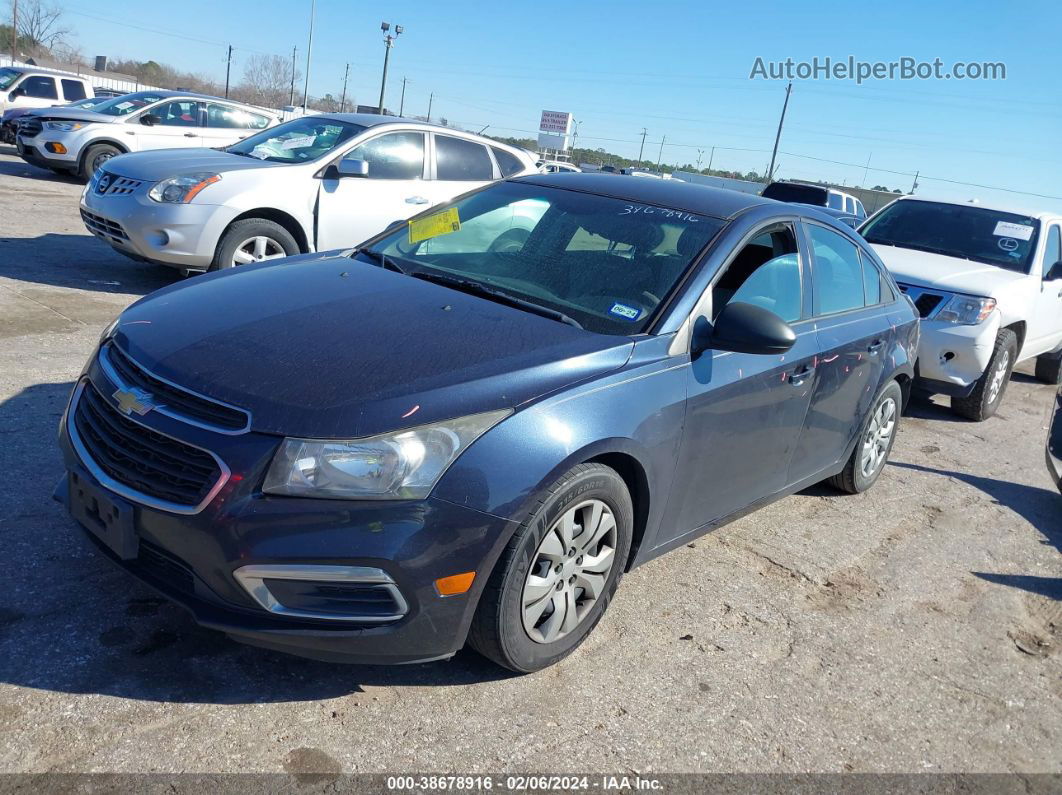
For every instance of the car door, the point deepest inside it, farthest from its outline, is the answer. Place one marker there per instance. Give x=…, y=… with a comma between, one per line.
x=226, y=124
x=745, y=412
x=1045, y=324
x=854, y=334
x=351, y=209
x=36, y=91
x=177, y=126
x=460, y=165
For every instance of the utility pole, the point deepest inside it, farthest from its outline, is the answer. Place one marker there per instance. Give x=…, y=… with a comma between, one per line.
x=309, y=51
x=291, y=99
x=343, y=100
x=778, y=135
x=711, y=157
x=228, y=71
x=640, y=148
x=402, y=102
x=431, y=96
x=915, y=183
x=865, y=170
x=575, y=133
x=14, y=30
x=389, y=42
x=660, y=156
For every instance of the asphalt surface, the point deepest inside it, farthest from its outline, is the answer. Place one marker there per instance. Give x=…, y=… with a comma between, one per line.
x=912, y=629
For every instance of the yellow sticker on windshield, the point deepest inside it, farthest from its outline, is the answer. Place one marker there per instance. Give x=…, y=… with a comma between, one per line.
x=445, y=223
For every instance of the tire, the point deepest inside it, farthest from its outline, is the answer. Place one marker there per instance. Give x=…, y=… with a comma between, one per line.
x=877, y=435
x=510, y=241
x=526, y=574
x=262, y=240
x=1049, y=368
x=988, y=391
x=95, y=156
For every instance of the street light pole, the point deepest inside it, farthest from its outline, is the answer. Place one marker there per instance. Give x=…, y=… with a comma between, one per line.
x=431, y=98
x=291, y=99
x=389, y=42
x=402, y=102
x=309, y=50
x=228, y=70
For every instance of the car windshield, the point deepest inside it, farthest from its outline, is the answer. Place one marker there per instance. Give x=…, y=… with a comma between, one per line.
x=297, y=141
x=608, y=264
x=127, y=103
x=801, y=194
x=1006, y=240
x=7, y=77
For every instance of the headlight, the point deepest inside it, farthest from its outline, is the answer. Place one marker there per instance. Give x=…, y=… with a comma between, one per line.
x=393, y=466
x=63, y=126
x=181, y=190
x=966, y=311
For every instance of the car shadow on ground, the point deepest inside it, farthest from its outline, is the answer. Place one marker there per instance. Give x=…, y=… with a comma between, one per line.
x=1042, y=508
x=20, y=168
x=73, y=622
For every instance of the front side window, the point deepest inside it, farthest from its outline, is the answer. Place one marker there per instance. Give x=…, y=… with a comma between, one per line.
x=764, y=273
x=606, y=263
x=179, y=113
x=73, y=90
x=127, y=103
x=838, y=272
x=458, y=159
x=398, y=155
x=297, y=141
x=39, y=87
x=860, y=211
x=1053, y=253
x=964, y=231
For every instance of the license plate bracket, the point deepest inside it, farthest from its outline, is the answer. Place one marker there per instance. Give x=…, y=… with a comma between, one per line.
x=108, y=518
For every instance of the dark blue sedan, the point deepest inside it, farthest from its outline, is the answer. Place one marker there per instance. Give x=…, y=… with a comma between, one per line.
x=471, y=426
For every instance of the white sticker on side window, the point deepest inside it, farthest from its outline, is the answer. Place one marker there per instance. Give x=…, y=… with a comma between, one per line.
x=1017, y=231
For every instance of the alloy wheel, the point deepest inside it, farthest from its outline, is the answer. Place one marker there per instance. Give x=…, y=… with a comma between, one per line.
x=998, y=377
x=100, y=159
x=257, y=249
x=877, y=438
x=569, y=571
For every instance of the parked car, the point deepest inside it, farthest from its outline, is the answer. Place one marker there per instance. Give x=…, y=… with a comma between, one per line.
x=107, y=93
x=817, y=196
x=374, y=455
x=555, y=166
x=26, y=87
x=987, y=282
x=80, y=141
x=311, y=184
x=1054, y=441
x=10, y=120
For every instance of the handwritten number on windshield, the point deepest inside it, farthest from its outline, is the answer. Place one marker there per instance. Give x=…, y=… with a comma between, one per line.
x=671, y=215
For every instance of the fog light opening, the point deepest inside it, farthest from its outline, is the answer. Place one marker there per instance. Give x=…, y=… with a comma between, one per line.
x=947, y=356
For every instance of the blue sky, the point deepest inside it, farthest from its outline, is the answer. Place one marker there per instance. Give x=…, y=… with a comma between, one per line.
x=679, y=69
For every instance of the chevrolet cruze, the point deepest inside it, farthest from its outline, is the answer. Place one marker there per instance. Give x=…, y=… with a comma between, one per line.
x=469, y=428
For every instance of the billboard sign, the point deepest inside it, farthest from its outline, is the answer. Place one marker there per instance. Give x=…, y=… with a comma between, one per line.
x=555, y=122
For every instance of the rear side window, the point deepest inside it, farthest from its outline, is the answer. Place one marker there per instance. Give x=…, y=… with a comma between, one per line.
x=508, y=162
x=871, y=282
x=457, y=159
x=835, y=202
x=39, y=87
x=73, y=90
x=1053, y=253
x=227, y=117
x=838, y=272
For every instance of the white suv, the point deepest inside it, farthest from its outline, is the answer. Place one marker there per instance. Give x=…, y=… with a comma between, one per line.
x=29, y=88
x=987, y=283
x=80, y=141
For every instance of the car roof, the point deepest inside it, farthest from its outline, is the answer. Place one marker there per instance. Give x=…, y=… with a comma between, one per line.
x=1042, y=215
x=375, y=119
x=689, y=196
x=165, y=93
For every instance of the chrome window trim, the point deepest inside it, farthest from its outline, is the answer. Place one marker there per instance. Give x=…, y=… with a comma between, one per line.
x=121, y=489
x=112, y=376
x=253, y=577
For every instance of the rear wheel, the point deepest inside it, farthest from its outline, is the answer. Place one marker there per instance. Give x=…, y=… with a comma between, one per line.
x=875, y=443
x=1049, y=368
x=96, y=156
x=558, y=573
x=253, y=240
x=988, y=392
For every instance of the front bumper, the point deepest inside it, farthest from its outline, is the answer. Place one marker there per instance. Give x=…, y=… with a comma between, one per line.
x=952, y=357
x=192, y=558
x=179, y=235
x=36, y=152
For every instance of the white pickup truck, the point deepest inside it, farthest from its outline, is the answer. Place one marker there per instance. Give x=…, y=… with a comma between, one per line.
x=987, y=284
x=26, y=87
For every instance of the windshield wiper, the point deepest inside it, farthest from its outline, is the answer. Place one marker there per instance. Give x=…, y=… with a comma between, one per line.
x=478, y=288
x=382, y=259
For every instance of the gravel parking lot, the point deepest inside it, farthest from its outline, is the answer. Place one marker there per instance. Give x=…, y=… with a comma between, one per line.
x=915, y=628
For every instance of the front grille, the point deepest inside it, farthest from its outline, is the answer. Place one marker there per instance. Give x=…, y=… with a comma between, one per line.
x=103, y=227
x=925, y=302
x=108, y=184
x=148, y=463
x=159, y=564
x=177, y=402
x=30, y=127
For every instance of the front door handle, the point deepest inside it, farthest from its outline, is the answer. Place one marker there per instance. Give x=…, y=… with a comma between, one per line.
x=875, y=346
x=130, y=132
x=800, y=375
x=416, y=200
x=189, y=135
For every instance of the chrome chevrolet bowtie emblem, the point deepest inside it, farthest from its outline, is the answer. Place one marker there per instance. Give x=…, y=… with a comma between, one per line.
x=133, y=400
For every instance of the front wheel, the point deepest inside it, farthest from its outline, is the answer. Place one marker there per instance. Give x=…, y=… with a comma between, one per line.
x=876, y=438
x=96, y=156
x=558, y=573
x=253, y=240
x=988, y=391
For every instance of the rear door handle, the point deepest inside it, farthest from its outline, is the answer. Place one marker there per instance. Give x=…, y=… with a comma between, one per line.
x=799, y=376
x=416, y=200
x=875, y=346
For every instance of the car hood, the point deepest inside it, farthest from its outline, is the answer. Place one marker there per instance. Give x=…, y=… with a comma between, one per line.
x=76, y=114
x=926, y=269
x=326, y=346
x=159, y=164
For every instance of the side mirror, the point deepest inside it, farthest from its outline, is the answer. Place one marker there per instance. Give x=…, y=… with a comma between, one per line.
x=150, y=120
x=352, y=168
x=15, y=93
x=1054, y=273
x=743, y=328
